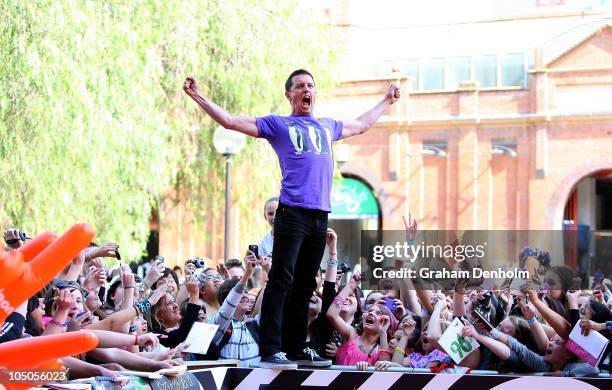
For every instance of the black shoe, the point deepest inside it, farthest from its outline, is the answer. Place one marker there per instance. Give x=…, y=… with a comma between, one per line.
x=278, y=361
x=310, y=358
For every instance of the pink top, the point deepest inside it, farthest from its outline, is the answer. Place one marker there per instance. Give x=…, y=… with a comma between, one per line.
x=349, y=354
x=418, y=360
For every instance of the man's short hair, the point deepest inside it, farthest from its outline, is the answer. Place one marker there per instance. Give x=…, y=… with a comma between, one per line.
x=298, y=72
x=233, y=263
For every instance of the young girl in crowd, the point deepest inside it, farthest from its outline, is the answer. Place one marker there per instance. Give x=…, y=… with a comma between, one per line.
x=369, y=343
x=210, y=280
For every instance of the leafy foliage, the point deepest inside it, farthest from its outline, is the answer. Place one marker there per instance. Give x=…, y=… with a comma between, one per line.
x=94, y=125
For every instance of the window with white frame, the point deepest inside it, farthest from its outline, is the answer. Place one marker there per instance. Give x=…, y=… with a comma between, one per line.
x=446, y=73
x=512, y=69
x=485, y=70
x=433, y=74
x=459, y=70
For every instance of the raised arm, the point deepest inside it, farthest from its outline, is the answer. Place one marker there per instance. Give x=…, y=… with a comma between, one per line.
x=498, y=348
x=369, y=118
x=333, y=313
x=332, y=251
x=242, y=124
x=434, y=329
x=537, y=331
x=559, y=324
x=408, y=293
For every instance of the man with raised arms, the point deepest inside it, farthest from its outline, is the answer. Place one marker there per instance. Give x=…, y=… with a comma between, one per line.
x=303, y=145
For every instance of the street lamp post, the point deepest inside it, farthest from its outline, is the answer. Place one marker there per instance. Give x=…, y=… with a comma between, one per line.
x=228, y=143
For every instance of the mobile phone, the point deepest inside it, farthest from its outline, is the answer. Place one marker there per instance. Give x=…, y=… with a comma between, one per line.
x=343, y=267
x=483, y=320
x=117, y=255
x=254, y=249
x=390, y=304
x=160, y=258
x=598, y=278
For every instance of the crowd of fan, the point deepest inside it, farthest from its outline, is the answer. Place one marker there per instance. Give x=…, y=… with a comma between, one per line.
x=142, y=316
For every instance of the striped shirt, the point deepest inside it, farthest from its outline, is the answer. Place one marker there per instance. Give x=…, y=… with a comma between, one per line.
x=241, y=345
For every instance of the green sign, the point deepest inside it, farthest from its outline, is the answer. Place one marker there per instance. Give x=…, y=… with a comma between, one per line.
x=351, y=199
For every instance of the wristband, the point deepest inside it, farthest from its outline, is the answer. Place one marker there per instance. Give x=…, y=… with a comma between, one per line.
x=130, y=286
x=63, y=325
x=136, y=341
x=609, y=325
x=398, y=349
x=332, y=262
x=532, y=320
x=495, y=334
x=143, y=306
x=338, y=301
x=384, y=353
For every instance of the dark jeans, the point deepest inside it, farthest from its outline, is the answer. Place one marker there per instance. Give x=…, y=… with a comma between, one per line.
x=299, y=243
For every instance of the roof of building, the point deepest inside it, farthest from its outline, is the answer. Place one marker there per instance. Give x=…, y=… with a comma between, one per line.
x=560, y=44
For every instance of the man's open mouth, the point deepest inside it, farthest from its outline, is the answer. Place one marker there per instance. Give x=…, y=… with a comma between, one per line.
x=306, y=100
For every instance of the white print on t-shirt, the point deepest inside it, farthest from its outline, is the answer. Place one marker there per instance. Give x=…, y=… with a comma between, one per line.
x=296, y=139
x=299, y=139
x=315, y=138
x=4, y=304
x=329, y=138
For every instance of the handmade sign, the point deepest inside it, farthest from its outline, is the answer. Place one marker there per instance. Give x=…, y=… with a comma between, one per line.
x=455, y=344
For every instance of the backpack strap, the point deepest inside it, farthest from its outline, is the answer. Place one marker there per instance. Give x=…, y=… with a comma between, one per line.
x=253, y=328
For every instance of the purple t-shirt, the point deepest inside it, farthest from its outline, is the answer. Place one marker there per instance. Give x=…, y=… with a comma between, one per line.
x=303, y=146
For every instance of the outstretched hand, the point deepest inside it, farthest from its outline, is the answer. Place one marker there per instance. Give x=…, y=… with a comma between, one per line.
x=411, y=227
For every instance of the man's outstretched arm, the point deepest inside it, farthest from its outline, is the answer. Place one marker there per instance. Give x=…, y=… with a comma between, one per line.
x=369, y=118
x=243, y=124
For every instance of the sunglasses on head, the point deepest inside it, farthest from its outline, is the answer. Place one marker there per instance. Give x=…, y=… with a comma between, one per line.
x=62, y=284
x=65, y=284
x=211, y=278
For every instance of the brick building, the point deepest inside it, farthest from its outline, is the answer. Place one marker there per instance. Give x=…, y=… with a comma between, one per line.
x=513, y=133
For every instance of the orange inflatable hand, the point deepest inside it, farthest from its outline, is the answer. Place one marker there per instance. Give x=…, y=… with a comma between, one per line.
x=11, y=267
x=44, y=267
x=34, y=352
x=11, y=263
x=36, y=245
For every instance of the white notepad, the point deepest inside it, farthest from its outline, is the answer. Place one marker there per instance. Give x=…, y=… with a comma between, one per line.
x=200, y=337
x=588, y=348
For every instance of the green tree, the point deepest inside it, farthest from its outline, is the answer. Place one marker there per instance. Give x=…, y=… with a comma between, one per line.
x=94, y=125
